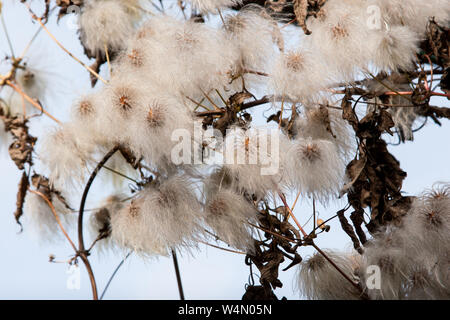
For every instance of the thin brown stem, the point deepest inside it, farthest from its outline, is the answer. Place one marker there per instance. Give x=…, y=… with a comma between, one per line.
x=86, y=192
x=354, y=284
x=58, y=220
x=291, y=214
x=311, y=242
x=31, y=101
x=178, y=274
x=273, y=233
x=81, y=249
x=245, y=106
x=39, y=20
x=224, y=249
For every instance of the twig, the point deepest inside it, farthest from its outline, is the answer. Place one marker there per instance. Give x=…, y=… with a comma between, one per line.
x=291, y=214
x=314, y=212
x=30, y=100
x=107, y=59
x=39, y=20
x=177, y=272
x=81, y=249
x=245, y=106
x=114, y=273
x=199, y=104
x=259, y=73
x=274, y=233
x=210, y=100
x=311, y=242
x=281, y=114
x=120, y=174
x=6, y=32
x=224, y=249
x=295, y=202
x=49, y=203
x=34, y=37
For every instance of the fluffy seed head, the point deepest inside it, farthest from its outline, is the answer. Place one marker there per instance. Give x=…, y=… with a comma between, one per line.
x=323, y=122
x=318, y=279
x=428, y=221
x=314, y=167
x=310, y=152
x=298, y=76
x=162, y=217
x=253, y=33
x=156, y=115
x=393, y=49
x=105, y=23
x=135, y=57
x=211, y=6
x=228, y=214
x=124, y=99
x=247, y=159
x=100, y=221
x=340, y=38
x=66, y=152
x=407, y=268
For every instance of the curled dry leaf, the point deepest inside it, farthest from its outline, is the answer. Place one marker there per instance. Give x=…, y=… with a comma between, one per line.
x=301, y=13
x=21, y=194
x=349, y=230
x=23, y=143
x=42, y=184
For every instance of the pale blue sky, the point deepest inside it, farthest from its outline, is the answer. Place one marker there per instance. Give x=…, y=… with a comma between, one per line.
x=209, y=273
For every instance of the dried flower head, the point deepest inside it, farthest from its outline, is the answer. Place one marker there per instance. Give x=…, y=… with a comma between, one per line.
x=314, y=167
x=105, y=23
x=100, y=221
x=162, y=217
x=393, y=49
x=295, y=61
x=228, y=214
x=135, y=57
x=428, y=222
x=248, y=156
x=324, y=122
x=124, y=99
x=319, y=280
x=156, y=115
x=298, y=76
x=66, y=153
x=252, y=32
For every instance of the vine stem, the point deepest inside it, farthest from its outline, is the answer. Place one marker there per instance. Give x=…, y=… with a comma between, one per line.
x=178, y=274
x=399, y=93
x=363, y=295
x=114, y=273
x=224, y=249
x=245, y=106
x=31, y=101
x=81, y=249
x=39, y=20
x=291, y=214
x=58, y=220
x=311, y=242
x=6, y=31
